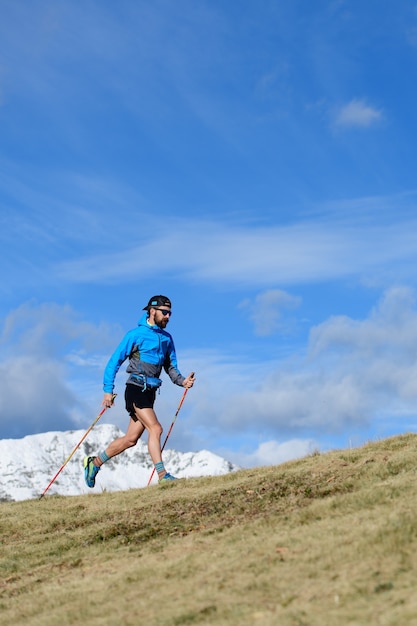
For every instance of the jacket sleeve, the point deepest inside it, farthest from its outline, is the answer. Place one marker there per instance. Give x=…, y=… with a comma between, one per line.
x=171, y=366
x=118, y=357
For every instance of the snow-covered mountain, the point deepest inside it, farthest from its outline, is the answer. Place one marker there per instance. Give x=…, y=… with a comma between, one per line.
x=28, y=465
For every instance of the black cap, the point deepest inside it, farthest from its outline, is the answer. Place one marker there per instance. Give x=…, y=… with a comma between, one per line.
x=157, y=301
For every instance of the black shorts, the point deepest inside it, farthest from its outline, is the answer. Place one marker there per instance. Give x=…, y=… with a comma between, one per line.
x=134, y=395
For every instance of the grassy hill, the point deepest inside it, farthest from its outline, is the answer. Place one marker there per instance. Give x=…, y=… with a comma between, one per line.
x=327, y=540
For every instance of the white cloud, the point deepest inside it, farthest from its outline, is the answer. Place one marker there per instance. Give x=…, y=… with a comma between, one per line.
x=34, y=396
x=274, y=453
x=49, y=328
x=268, y=310
x=357, y=375
x=42, y=375
x=390, y=328
x=357, y=114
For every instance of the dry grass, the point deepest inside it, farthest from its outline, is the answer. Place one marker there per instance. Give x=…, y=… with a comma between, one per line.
x=327, y=540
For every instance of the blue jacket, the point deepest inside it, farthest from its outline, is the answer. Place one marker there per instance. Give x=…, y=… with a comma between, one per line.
x=149, y=349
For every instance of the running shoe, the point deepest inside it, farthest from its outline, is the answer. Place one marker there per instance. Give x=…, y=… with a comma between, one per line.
x=90, y=471
x=167, y=477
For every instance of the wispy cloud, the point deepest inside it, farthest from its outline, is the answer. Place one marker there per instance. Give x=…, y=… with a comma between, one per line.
x=305, y=251
x=357, y=113
x=80, y=231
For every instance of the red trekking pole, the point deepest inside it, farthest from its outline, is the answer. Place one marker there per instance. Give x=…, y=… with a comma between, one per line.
x=170, y=429
x=76, y=448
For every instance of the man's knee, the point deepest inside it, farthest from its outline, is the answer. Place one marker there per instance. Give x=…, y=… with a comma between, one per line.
x=156, y=429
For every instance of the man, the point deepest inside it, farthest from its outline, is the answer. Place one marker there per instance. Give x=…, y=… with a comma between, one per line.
x=149, y=348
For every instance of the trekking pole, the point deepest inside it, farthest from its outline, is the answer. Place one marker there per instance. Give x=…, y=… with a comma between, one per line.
x=171, y=427
x=76, y=448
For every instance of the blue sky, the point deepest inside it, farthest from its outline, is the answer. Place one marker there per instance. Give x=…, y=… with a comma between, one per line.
x=253, y=161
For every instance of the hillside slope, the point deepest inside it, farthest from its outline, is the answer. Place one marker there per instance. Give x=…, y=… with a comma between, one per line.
x=327, y=540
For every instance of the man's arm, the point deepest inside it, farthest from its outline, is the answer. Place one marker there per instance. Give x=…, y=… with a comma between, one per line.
x=120, y=355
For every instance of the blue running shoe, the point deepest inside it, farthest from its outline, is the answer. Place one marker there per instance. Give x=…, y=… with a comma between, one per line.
x=167, y=477
x=90, y=471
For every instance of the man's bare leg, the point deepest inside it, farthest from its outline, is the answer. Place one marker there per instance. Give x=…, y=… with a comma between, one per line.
x=148, y=419
x=130, y=439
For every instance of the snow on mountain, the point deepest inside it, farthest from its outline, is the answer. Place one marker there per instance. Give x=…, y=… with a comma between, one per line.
x=28, y=465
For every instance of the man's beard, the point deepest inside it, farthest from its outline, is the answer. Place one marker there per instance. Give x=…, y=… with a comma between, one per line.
x=162, y=324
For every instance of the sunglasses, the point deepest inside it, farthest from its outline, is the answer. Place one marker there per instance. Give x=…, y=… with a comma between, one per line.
x=164, y=311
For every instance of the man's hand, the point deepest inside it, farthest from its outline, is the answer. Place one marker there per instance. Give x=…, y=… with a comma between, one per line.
x=189, y=381
x=108, y=399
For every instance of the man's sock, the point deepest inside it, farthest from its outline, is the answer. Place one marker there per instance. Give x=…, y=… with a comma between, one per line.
x=160, y=469
x=101, y=458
